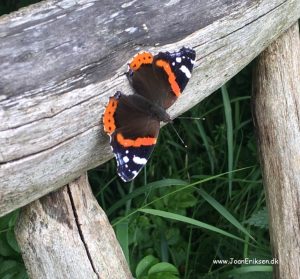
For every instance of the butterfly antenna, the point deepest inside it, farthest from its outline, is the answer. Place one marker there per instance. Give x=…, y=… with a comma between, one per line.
x=180, y=138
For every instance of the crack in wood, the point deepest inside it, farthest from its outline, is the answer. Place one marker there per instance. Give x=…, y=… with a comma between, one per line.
x=81, y=235
x=208, y=54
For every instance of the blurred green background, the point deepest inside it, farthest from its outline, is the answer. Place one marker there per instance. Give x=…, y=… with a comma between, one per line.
x=189, y=206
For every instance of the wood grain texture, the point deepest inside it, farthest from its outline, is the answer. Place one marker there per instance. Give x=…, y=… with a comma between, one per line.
x=67, y=235
x=61, y=60
x=277, y=119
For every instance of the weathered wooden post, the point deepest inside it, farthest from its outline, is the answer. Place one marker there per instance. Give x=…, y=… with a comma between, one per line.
x=66, y=234
x=276, y=97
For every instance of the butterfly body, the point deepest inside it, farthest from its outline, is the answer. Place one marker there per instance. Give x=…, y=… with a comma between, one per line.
x=133, y=121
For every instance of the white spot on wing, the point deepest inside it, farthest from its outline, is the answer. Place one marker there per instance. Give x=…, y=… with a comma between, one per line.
x=193, y=61
x=139, y=161
x=186, y=71
x=126, y=151
x=178, y=59
x=134, y=173
x=125, y=159
x=173, y=63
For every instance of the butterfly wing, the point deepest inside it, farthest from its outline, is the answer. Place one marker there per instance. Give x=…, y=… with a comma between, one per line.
x=181, y=65
x=130, y=160
x=133, y=134
x=145, y=82
x=161, y=78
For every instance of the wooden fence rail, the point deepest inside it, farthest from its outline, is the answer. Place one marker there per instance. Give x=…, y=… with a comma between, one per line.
x=60, y=60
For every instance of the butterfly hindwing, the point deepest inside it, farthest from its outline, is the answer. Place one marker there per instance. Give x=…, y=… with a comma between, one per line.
x=130, y=160
x=133, y=133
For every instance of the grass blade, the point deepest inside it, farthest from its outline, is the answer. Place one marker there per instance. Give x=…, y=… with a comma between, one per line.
x=223, y=211
x=188, y=220
x=229, y=130
x=122, y=236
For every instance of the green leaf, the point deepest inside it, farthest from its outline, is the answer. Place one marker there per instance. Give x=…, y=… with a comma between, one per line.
x=12, y=269
x=164, y=275
x=4, y=222
x=5, y=248
x=13, y=218
x=172, y=235
x=122, y=236
x=182, y=200
x=163, y=267
x=6, y=266
x=144, y=265
x=11, y=240
x=22, y=274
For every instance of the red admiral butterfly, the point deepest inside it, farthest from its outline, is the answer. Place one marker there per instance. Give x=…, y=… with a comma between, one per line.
x=133, y=121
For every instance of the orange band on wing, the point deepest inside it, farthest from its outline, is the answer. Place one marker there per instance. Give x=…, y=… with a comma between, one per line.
x=172, y=79
x=140, y=59
x=108, y=116
x=135, y=142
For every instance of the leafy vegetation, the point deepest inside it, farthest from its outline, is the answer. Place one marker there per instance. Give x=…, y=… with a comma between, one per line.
x=189, y=206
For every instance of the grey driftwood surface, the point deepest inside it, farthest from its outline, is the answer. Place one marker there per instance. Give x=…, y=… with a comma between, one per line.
x=276, y=88
x=61, y=60
x=67, y=235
